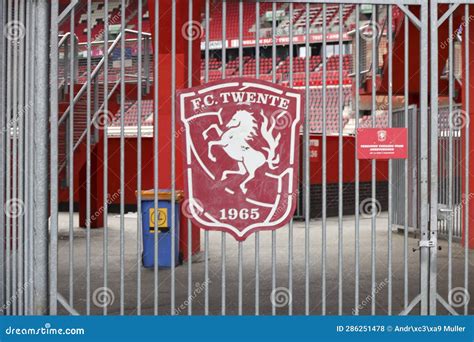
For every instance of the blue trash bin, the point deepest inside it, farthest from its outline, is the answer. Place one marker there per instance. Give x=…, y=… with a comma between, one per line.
x=164, y=228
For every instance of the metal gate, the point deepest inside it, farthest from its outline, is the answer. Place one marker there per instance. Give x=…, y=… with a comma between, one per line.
x=88, y=118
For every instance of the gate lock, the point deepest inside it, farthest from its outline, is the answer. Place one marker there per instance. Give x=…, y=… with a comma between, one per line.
x=426, y=244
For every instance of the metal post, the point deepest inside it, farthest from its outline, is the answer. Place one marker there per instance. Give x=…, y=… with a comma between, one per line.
x=428, y=210
x=53, y=251
x=2, y=147
x=41, y=148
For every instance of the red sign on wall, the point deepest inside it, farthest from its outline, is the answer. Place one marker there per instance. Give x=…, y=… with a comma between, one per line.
x=241, y=142
x=382, y=143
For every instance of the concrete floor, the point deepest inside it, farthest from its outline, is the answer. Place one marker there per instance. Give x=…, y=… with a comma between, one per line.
x=132, y=259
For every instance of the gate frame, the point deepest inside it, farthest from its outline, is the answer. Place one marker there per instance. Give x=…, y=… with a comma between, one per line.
x=435, y=23
x=427, y=296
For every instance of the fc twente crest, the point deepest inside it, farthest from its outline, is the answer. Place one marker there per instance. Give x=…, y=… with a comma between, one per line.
x=241, y=141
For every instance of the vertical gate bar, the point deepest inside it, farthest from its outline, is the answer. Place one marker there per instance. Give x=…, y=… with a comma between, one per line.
x=373, y=164
x=467, y=156
x=15, y=201
x=8, y=289
x=53, y=251
x=241, y=65
x=357, y=178
x=156, y=80
x=274, y=81
x=405, y=211
x=88, y=158
x=27, y=110
x=105, y=252
x=31, y=161
x=70, y=155
x=139, y=161
x=173, y=155
x=189, y=224
x=451, y=154
x=223, y=234
x=122, y=158
x=41, y=158
x=206, y=233
x=306, y=164
x=324, y=173
x=257, y=234
x=240, y=299
x=427, y=262
x=390, y=174
x=2, y=151
x=290, y=227
x=340, y=173
x=21, y=161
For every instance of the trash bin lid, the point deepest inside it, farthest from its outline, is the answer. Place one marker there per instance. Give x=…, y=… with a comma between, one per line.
x=163, y=195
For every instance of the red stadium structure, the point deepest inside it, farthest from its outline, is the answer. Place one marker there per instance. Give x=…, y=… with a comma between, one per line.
x=232, y=69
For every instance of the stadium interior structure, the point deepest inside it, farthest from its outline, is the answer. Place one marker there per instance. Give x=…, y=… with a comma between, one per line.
x=357, y=244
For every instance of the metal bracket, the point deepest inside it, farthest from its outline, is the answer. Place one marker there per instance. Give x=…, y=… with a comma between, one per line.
x=411, y=16
x=427, y=243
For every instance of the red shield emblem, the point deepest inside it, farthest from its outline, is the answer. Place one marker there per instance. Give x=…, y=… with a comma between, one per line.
x=241, y=141
x=382, y=135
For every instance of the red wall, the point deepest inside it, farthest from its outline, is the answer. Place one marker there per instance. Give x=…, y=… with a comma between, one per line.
x=332, y=165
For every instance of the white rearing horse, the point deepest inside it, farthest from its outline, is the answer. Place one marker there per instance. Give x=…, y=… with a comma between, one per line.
x=240, y=129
